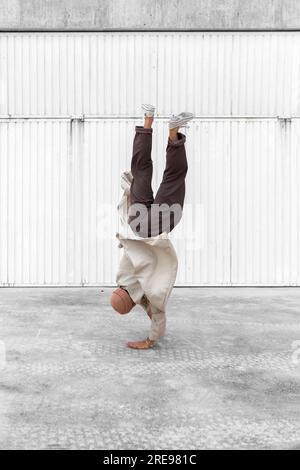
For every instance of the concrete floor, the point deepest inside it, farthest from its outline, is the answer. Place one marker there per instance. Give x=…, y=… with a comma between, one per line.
x=227, y=375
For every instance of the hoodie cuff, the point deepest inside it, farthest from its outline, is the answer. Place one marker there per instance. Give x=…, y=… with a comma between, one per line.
x=158, y=326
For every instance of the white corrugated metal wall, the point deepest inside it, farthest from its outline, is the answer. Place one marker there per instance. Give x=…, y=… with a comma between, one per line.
x=59, y=170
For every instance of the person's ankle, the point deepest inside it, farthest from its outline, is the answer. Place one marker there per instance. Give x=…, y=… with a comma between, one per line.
x=173, y=134
x=148, y=122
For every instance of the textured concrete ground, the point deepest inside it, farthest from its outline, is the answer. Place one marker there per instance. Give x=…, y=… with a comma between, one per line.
x=227, y=375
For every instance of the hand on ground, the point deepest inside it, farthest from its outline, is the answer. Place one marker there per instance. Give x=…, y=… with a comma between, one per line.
x=145, y=344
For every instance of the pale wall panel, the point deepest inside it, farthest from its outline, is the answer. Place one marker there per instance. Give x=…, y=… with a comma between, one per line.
x=59, y=178
x=213, y=74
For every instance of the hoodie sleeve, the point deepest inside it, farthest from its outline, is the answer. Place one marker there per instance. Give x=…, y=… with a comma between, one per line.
x=158, y=320
x=158, y=325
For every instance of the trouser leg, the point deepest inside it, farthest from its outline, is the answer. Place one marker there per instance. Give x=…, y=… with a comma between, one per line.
x=142, y=167
x=172, y=188
x=141, y=193
x=169, y=200
x=164, y=212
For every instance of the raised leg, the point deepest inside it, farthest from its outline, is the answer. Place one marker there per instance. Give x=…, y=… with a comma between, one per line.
x=168, y=203
x=172, y=188
x=165, y=211
x=142, y=165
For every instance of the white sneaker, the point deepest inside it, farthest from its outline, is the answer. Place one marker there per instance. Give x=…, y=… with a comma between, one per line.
x=148, y=109
x=180, y=120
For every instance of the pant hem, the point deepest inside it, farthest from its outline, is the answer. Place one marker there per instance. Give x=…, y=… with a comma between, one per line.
x=143, y=130
x=177, y=143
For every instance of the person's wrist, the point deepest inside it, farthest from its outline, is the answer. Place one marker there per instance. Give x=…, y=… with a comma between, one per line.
x=150, y=341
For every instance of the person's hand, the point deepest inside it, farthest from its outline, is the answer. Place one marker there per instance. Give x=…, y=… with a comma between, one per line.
x=145, y=344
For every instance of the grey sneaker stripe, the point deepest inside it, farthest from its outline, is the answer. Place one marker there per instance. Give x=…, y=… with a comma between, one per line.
x=149, y=109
